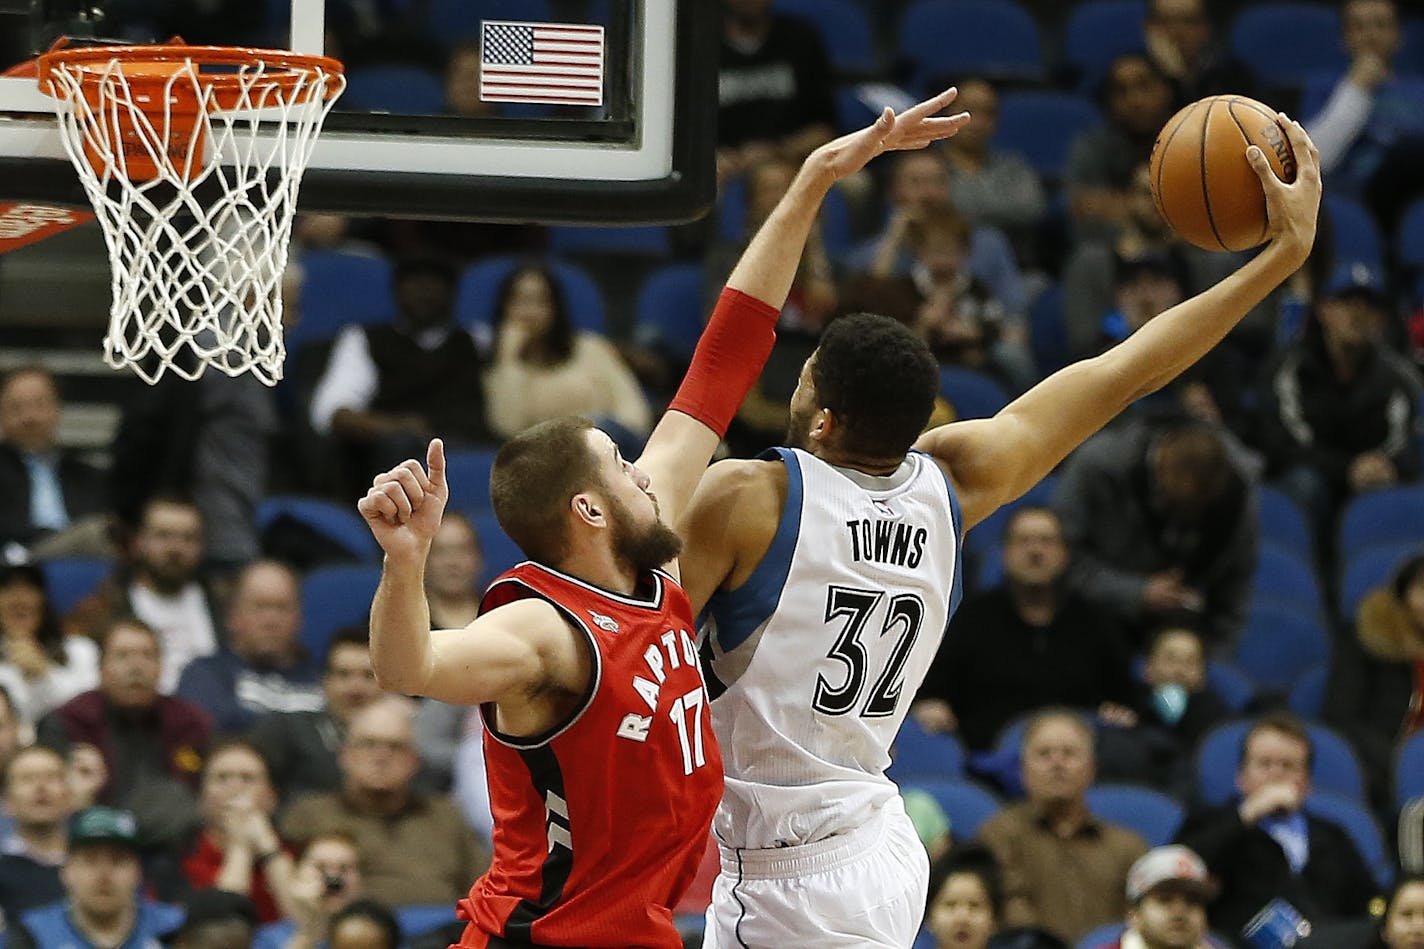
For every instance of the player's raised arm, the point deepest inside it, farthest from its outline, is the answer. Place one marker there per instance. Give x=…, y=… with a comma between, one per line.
x=508, y=649
x=993, y=461
x=739, y=336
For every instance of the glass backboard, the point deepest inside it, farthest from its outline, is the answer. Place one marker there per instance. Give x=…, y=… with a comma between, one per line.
x=455, y=109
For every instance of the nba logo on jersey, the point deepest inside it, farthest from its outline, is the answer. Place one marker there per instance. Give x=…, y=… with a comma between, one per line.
x=884, y=509
x=606, y=623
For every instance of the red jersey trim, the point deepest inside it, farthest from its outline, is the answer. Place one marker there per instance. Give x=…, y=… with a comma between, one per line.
x=527, y=742
x=656, y=603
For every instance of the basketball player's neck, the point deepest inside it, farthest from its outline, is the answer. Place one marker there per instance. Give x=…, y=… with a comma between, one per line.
x=866, y=464
x=601, y=568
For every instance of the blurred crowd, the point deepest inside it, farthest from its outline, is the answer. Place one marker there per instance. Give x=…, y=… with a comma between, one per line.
x=1180, y=700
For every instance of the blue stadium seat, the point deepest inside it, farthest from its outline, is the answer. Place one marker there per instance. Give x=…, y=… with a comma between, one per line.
x=1282, y=523
x=333, y=597
x=1048, y=334
x=651, y=240
x=339, y=289
x=1153, y=815
x=919, y=754
x=1372, y=567
x=1098, y=32
x=966, y=804
x=837, y=232
x=1354, y=235
x=1355, y=819
x=1041, y=126
x=468, y=471
x=972, y=394
x=452, y=21
x=1285, y=43
x=669, y=310
x=953, y=38
x=1105, y=935
x=1409, y=244
x=500, y=553
x=1409, y=770
x=1277, y=647
x=1381, y=517
x=338, y=523
x=400, y=90
x=845, y=30
x=68, y=580
x=1307, y=696
x=1336, y=768
x=1230, y=684
x=1283, y=577
x=480, y=284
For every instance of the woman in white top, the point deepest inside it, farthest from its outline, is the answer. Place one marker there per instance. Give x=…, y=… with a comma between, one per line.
x=544, y=368
x=40, y=667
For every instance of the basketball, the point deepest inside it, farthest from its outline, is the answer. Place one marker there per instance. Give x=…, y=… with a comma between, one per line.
x=1204, y=187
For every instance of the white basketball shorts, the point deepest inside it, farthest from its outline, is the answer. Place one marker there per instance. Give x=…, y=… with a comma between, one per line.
x=866, y=887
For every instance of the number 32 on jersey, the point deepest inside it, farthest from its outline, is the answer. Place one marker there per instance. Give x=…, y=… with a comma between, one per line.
x=900, y=616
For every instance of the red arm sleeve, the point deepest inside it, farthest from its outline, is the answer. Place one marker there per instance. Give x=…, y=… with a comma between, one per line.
x=729, y=357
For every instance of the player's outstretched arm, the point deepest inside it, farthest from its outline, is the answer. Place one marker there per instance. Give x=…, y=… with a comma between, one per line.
x=992, y=461
x=511, y=648
x=739, y=336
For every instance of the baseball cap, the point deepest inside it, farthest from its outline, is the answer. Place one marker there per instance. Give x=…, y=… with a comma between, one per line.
x=1354, y=277
x=1175, y=865
x=103, y=825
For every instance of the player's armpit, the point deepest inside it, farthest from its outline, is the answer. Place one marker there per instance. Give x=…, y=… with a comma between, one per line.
x=508, y=651
x=728, y=526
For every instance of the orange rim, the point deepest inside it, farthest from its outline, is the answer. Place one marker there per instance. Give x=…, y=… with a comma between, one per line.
x=284, y=68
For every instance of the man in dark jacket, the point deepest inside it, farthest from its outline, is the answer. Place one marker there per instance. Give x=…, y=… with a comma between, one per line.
x=1162, y=520
x=1340, y=405
x=1265, y=846
x=1025, y=645
x=46, y=492
x=152, y=744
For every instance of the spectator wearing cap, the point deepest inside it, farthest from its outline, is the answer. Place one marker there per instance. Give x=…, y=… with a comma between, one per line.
x=215, y=919
x=1266, y=846
x=1064, y=869
x=38, y=798
x=152, y=745
x=1339, y=405
x=415, y=848
x=263, y=667
x=1168, y=890
x=301, y=748
x=103, y=904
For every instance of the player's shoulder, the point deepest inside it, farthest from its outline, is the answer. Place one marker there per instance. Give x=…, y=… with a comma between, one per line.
x=744, y=478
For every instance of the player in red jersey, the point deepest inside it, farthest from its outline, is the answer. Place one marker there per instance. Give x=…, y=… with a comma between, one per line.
x=603, y=770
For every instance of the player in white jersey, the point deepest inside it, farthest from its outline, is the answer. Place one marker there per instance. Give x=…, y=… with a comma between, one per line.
x=831, y=568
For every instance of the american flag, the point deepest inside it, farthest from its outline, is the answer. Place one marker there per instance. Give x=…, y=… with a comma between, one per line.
x=559, y=63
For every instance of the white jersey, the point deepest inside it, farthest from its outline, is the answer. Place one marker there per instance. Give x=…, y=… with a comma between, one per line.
x=822, y=650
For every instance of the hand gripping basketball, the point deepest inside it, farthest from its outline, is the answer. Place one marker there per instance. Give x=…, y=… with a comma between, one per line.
x=405, y=504
x=1291, y=207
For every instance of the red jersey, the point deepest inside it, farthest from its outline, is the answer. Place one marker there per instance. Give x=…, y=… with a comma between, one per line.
x=600, y=823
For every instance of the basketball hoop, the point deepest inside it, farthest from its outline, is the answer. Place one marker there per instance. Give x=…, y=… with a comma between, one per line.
x=192, y=157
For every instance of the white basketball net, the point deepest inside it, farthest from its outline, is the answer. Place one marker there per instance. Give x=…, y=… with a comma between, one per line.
x=199, y=249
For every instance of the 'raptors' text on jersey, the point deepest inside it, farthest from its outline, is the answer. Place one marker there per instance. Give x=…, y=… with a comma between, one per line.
x=600, y=823
x=818, y=655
